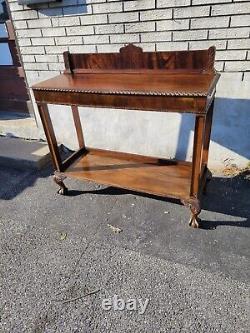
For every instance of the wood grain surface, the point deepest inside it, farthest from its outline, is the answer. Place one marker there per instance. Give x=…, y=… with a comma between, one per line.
x=167, y=178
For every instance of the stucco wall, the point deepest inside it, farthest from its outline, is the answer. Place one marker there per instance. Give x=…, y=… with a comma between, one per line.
x=45, y=31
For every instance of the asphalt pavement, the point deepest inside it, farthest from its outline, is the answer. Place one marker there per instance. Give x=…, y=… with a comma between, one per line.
x=63, y=257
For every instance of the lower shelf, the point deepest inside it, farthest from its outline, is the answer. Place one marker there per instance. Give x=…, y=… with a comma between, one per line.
x=167, y=178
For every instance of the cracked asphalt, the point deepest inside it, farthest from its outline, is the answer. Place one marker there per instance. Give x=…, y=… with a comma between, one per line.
x=59, y=259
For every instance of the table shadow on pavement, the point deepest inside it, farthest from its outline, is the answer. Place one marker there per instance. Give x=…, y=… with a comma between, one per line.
x=225, y=195
x=159, y=227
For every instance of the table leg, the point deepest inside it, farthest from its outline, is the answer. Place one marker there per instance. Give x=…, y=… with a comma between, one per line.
x=53, y=147
x=78, y=126
x=50, y=135
x=207, y=135
x=58, y=179
x=194, y=202
x=207, y=174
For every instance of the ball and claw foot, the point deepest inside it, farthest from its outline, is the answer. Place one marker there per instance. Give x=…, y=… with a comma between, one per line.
x=194, y=206
x=195, y=211
x=58, y=179
x=63, y=191
x=194, y=221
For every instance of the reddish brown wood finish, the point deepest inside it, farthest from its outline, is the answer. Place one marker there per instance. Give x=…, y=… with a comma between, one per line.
x=140, y=103
x=162, y=177
x=156, y=83
x=50, y=135
x=209, y=118
x=132, y=79
x=78, y=126
x=197, y=157
x=132, y=57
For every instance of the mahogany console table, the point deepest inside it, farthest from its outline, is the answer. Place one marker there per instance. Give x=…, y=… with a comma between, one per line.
x=181, y=81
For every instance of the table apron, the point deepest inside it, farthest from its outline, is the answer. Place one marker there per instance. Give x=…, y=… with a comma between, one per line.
x=136, y=102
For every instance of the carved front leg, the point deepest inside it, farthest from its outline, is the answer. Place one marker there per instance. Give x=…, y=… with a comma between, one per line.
x=58, y=179
x=194, y=205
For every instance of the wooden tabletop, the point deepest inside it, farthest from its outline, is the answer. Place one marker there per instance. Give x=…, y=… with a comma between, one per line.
x=160, y=83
